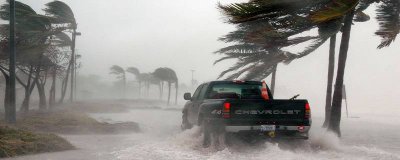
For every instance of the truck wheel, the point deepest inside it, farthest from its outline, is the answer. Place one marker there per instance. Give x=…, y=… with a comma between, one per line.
x=205, y=127
x=185, y=123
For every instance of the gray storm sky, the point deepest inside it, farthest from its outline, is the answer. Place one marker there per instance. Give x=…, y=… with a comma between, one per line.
x=182, y=34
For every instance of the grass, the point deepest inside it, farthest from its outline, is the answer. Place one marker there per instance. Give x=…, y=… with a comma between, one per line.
x=71, y=122
x=35, y=132
x=14, y=142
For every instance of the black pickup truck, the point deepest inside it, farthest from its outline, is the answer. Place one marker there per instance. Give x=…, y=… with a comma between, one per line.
x=238, y=107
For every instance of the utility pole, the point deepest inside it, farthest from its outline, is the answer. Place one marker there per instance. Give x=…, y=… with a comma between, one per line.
x=11, y=113
x=73, y=61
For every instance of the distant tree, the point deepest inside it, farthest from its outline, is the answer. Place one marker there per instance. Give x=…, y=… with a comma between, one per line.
x=136, y=73
x=120, y=73
x=167, y=75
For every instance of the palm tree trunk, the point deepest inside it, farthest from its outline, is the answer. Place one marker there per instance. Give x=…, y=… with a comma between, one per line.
x=176, y=92
x=65, y=84
x=42, y=96
x=140, y=88
x=273, y=78
x=71, y=98
x=161, y=89
x=52, y=94
x=169, y=92
x=147, y=89
x=331, y=70
x=6, y=95
x=336, y=109
x=124, y=85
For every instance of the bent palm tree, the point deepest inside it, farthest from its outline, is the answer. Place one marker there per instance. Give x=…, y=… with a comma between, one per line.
x=167, y=75
x=62, y=14
x=120, y=73
x=136, y=72
x=289, y=18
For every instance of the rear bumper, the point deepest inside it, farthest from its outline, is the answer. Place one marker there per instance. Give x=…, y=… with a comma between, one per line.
x=258, y=128
x=284, y=132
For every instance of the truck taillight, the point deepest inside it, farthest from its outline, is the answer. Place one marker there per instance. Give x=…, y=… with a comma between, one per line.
x=264, y=91
x=226, y=110
x=307, y=114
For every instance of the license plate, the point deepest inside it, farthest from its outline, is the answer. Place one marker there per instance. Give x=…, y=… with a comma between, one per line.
x=265, y=128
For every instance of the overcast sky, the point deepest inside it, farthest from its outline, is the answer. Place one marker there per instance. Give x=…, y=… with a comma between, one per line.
x=182, y=34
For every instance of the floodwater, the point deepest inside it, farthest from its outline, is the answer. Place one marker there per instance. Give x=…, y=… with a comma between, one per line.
x=161, y=139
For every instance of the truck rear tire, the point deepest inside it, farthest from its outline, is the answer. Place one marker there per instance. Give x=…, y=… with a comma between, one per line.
x=205, y=127
x=185, y=123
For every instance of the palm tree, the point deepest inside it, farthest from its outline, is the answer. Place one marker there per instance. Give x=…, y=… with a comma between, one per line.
x=61, y=13
x=136, y=72
x=331, y=69
x=323, y=15
x=144, y=77
x=271, y=27
x=167, y=75
x=388, y=17
x=334, y=122
x=120, y=73
x=34, y=32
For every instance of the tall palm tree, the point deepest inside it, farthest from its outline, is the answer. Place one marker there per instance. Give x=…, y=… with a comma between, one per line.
x=331, y=69
x=144, y=78
x=61, y=13
x=334, y=122
x=313, y=14
x=120, y=73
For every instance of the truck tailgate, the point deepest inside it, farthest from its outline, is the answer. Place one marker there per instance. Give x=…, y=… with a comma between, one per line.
x=259, y=112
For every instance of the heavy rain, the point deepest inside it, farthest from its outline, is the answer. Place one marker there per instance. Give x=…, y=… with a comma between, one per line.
x=199, y=79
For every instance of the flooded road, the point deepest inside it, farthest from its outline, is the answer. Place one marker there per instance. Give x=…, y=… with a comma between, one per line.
x=161, y=139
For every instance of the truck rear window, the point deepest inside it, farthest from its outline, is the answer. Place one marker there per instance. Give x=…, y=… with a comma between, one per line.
x=235, y=91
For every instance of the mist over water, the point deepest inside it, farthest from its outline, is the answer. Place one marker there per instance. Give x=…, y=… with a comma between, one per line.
x=162, y=139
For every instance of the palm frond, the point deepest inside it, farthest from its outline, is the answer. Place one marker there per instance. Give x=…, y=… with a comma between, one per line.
x=361, y=17
x=133, y=70
x=117, y=70
x=388, y=17
x=264, y=9
x=259, y=72
x=225, y=58
x=62, y=40
x=333, y=10
x=61, y=12
x=364, y=4
x=239, y=48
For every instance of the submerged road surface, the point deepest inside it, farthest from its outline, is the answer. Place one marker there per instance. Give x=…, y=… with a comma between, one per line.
x=161, y=139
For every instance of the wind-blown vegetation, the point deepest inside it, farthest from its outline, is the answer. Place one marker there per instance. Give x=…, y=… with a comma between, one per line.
x=265, y=28
x=14, y=142
x=158, y=77
x=44, y=50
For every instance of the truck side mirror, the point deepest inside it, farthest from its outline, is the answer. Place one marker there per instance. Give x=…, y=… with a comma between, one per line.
x=187, y=96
